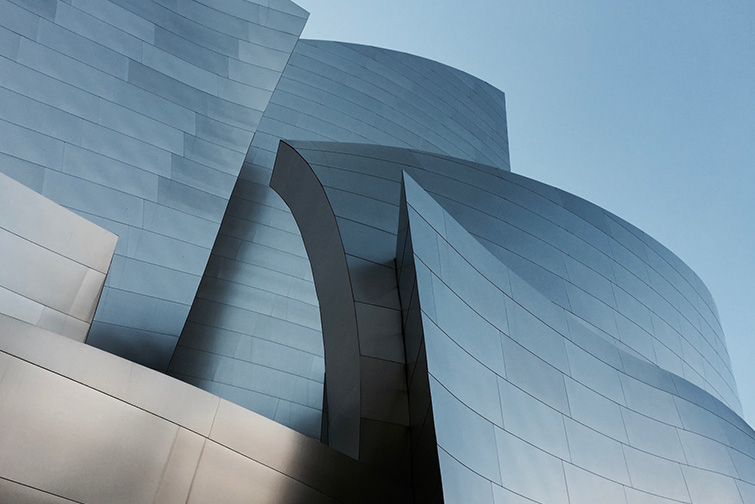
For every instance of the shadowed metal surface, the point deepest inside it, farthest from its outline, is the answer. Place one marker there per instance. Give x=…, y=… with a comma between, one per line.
x=81, y=425
x=254, y=335
x=367, y=403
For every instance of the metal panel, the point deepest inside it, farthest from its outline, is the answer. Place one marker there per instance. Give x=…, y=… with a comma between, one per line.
x=546, y=433
x=586, y=487
x=596, y=453
x=77, y=405
x=312, y=102
x=55, y=262
x=464, y=434
x=461, y=485
x=112, y=110
x=656, y=475
x=97, y=425
x=529, y=471
x=464, y=376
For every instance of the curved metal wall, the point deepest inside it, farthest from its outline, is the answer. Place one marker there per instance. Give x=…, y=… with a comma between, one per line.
x=610, y=275
x=530, y=407
x=525, y=397
x=79, y=425
x=354, y=93
x=254, y=332
x=137, y=115
x=551, y=351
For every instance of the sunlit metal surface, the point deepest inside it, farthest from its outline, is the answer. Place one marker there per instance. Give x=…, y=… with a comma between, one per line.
x=580, y=419
x=537, y=230
x=66, y=432
x=54, y=262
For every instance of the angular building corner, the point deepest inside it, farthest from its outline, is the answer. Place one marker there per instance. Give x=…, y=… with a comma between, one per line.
x=343, y=292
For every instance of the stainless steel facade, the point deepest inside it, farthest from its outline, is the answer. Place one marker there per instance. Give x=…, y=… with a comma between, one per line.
x=137, y=115
x=253, y=335
x=521, y=394
x=81, y=425
x=328, y=235
x=49, y=279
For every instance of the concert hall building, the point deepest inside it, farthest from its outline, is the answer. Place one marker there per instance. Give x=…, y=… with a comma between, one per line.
x=238, y=266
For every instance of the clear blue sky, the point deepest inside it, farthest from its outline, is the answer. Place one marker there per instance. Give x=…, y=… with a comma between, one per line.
x=646, y=108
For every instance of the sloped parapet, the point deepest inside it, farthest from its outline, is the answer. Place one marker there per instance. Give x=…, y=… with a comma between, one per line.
x=54, y=262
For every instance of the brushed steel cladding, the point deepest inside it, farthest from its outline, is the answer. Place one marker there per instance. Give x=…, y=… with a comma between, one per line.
x=367, y=403
x=137, y=116
x=253, y=334
x=609, y=275
x=80, y=425
x=550, y=411
x=527, y=398
x=362, y=94
x=54, y=262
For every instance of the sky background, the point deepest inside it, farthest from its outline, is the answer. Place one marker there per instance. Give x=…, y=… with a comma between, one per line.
x=646, y=108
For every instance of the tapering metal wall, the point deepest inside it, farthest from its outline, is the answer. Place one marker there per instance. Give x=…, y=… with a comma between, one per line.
x=521, y=395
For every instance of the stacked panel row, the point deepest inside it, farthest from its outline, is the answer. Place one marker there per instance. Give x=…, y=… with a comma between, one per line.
x=615, y=278
x=254, y=332
x=653, y=307
x=523, y=398
x=82, y=426
x=137, y=116
x=486, y=337
x=54, y=263
x=532, y=405
x=569, y=408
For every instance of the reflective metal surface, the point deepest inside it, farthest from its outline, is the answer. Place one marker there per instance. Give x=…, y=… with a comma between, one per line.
x=137, y=115
x=60, y=428
x=67, y=408
x=485, y=337
x=616, y=436
x=575, y=415
x=54, y=262
x=259, y=271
